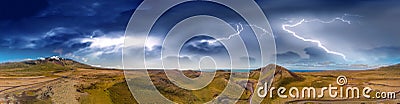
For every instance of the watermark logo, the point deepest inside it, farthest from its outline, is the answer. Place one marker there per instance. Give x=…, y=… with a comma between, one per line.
x=140, y=43
x=341, y=80
x=343, y=91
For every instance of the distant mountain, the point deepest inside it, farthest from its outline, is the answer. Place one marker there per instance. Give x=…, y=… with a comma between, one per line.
x=280, y=71
x=283, y=72
x=56, y=60
x=396, y=66
x=391, y=67
x=41, y=67
x=282, y=76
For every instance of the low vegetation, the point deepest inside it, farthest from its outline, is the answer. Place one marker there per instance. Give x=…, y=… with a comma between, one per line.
x=99, y=86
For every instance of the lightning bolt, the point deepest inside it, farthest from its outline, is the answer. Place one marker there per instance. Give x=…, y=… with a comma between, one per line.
x=262, y=29
x=320, y=45
x=239, y=29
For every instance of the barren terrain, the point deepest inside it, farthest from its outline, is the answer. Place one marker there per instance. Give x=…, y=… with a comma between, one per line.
x=72, y=83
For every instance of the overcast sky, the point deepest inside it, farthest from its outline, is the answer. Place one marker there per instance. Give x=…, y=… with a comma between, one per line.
x=352, y=33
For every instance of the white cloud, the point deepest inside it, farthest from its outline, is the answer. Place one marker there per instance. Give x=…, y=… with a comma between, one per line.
x=104, y=41
x=55, y=31
x=105, y=47
x=137, y=42
x=28, y=59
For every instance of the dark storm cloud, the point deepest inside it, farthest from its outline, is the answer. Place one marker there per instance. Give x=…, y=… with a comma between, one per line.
x=154, y=52
x=61, y=24
x=202, y=45
x=288, y=57
x=252, y=61
x=183, y=61
x=19, y=9
x=104, y=8
x=3, y=42
x=85, y=16
x=193, y=8
x=309, y=6
x=57, y=38
x=176, y=58
x=57, y=24
x=317, y=54
x=384, y=54
x=16, y=43
x=373, y=24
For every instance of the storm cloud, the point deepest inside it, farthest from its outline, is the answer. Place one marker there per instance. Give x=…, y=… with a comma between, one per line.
x=93, y=31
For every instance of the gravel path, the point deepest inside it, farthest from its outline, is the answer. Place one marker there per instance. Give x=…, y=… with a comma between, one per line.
x=65, y=92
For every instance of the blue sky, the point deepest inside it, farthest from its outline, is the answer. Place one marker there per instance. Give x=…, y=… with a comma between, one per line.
x=91, y=31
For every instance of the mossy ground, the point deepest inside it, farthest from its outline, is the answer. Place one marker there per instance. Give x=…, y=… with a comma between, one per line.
x=109, y=86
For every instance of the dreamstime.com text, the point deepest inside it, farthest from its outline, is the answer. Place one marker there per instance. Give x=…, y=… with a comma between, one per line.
x=333, y=91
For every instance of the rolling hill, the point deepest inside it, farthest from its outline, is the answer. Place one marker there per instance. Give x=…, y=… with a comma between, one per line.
x=42, y=66
x=59, y=80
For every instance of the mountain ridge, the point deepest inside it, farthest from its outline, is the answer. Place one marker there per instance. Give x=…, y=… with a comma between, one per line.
x=41, y=61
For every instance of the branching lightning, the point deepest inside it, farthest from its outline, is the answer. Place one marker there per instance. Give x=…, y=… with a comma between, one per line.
x=239, y=29
x=258, y=27
x=320, y=45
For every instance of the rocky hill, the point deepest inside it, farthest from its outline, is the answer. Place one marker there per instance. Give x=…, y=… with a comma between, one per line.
x=282, y=72
x=41, y=61
x=41, y=66
x=58, y=80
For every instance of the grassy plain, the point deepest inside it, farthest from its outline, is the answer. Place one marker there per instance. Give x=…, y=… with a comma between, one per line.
x=70, y=82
